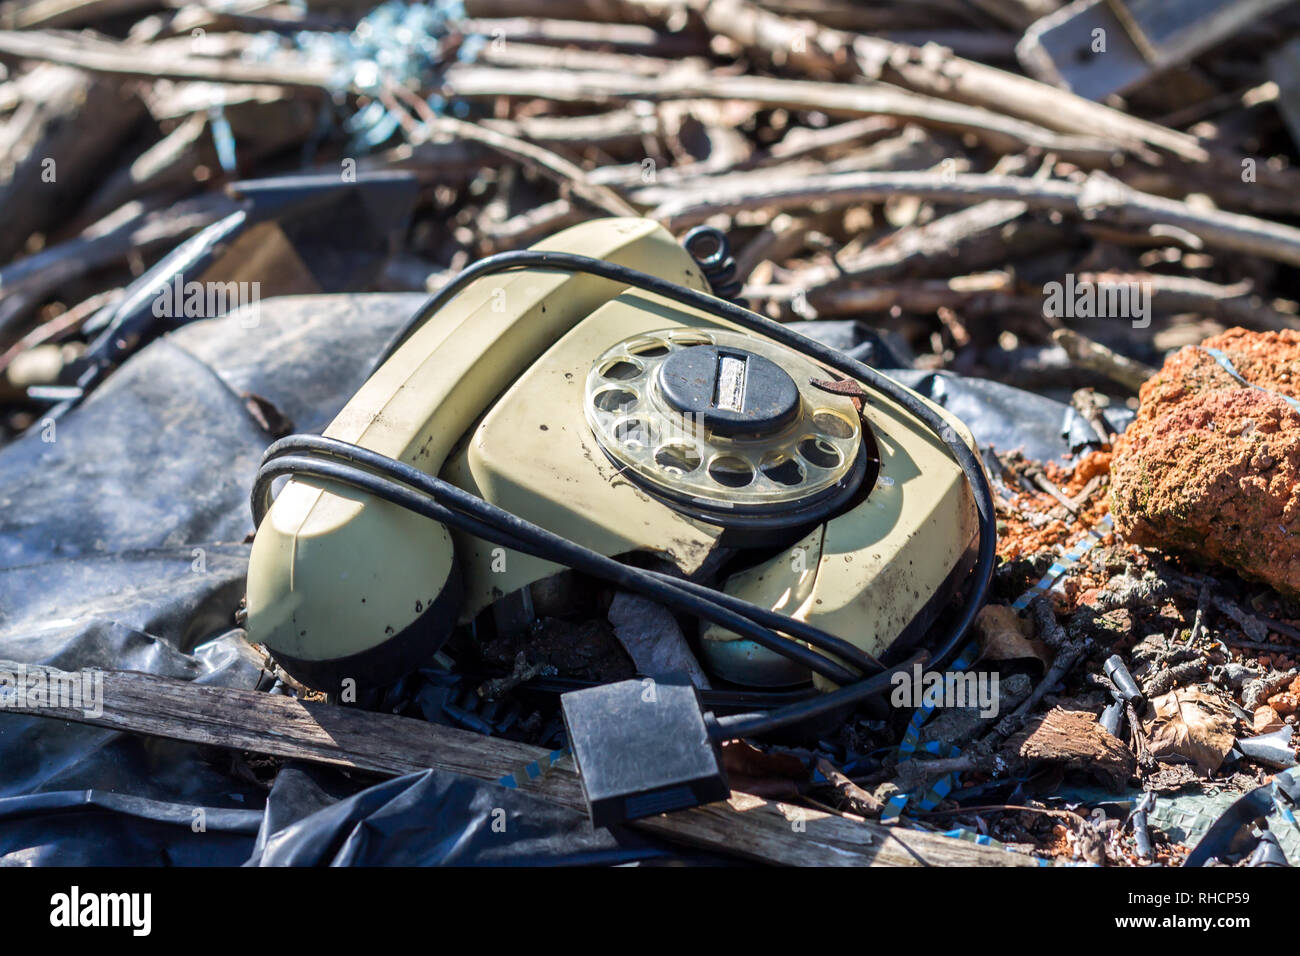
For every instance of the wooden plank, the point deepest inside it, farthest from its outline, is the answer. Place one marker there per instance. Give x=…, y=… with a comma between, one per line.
x=748, y=826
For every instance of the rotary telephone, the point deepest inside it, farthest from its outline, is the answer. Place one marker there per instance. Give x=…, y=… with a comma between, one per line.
x=589, y=404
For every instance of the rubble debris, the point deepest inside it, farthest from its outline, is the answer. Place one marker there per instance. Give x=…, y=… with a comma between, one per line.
x=1258, y=691
x=524, y=671
x=1141, y=834
x=587, y=650
x=849, y=795
x=1221, y=821
x=1266, y=720
x=1176, y=676
x=1268, y=852
x=1126, y=689
x=1284, y=704
x=1273, y=749
x=957, y=726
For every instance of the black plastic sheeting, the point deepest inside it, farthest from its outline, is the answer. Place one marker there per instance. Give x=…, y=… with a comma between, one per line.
x=1010, y=419
x=431, y=818
x=122, y=545
x=1230, y=835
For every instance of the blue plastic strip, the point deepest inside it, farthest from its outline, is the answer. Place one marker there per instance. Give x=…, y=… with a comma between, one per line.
x=223, y=137
x=1085, y=544
x=911, y=744
x=1226, y=364
x=961, y=833
x=537, y=768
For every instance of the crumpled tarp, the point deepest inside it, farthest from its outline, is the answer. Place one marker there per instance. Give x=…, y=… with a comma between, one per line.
x=431, y=818
x=122, y=545
x=1011, y=419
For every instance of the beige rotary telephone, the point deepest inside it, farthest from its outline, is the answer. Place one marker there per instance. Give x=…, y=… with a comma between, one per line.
x=588, y=403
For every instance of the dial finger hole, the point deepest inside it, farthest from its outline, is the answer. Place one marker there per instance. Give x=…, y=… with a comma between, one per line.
x=781, y=469
x=689, y=339
x=829, y=423
x=677, y=460
x=614, y=400
x=633, y=433
x=620, y=370
x=730, y=471
x=819, y=452
x=649, y=348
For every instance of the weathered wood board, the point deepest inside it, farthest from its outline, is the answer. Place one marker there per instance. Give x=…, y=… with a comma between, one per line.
x=747, y=826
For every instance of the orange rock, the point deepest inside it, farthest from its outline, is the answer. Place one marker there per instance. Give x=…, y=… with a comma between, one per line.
x=1090, y=596
x=1285, y=703
x=1266, y=720
x=1093, y=464
x=1211, y=467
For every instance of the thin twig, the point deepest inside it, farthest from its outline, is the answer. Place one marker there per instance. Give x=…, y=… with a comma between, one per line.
x=543, y=160
x=1088, y=354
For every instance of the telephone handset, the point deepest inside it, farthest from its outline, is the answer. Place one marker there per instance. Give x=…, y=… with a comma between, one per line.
x=344, y=585
x=586, y=402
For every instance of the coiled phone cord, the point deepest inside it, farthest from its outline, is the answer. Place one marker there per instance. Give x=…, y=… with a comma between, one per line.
x=711, y=250
x=386, y=478
x=331, y=459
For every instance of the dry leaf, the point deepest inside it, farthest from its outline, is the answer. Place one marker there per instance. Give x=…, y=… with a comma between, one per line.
x=1189, y=724
x=1005, y=636
x=762, y=772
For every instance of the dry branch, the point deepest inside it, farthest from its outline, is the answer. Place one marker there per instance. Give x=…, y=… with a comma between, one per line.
x=154, y=60
x=1100, y=198
x=546, y=162
x=934, y=71
x=1001, y=133
x=1092, y=355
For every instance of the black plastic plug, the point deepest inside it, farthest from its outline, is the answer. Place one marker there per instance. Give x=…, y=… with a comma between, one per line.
x=1125, y=685
x=642, y=747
